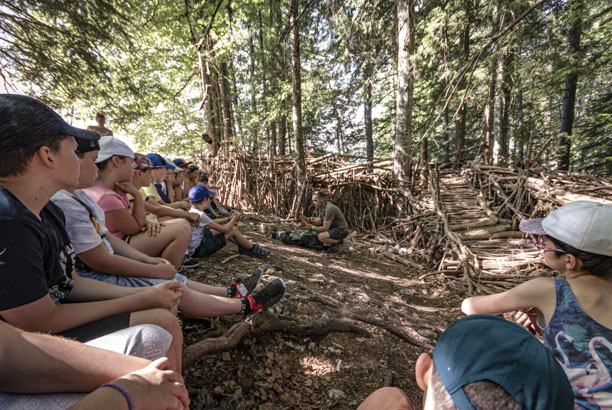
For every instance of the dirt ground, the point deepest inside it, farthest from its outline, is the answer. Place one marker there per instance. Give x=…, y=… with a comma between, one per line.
x=338, y=370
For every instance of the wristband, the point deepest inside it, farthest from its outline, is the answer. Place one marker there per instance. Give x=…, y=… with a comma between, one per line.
x=122, y=391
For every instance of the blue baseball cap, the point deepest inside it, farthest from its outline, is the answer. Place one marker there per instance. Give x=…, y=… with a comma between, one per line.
x=486, y=347
x=169, y=164
x=156, y=160
x=199, y=192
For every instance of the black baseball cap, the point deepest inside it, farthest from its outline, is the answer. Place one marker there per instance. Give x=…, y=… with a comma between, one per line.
x=25, y=120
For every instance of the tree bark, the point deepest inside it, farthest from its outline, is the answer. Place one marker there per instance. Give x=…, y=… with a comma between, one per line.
x=226, y=102
x=282, y=134
x=402, y=147
x=570, y=85
x=464, y=43
x=254, y=131
x=489, y=119
x=367, y=110
x=498, y=110
x=296, y=102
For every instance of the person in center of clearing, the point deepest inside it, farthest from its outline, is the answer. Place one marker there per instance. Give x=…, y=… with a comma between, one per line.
x=329, y=224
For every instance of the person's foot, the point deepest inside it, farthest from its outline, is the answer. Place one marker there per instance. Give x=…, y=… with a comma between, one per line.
x=256, y=251
x=265, y=298
x=189, y=263
x=244, y=287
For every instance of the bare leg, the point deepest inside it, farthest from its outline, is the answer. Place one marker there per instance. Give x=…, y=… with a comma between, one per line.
x=202, y=305
x=324, y=238
x=166, y=320
x=207, y=289
x=171, y=243
x=236, y=237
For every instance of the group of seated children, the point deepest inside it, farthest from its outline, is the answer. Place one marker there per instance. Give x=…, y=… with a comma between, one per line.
x=90, y=265
x=68, y=271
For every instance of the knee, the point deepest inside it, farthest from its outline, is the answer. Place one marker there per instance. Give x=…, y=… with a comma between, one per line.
x=181, y=230
x=169, y=322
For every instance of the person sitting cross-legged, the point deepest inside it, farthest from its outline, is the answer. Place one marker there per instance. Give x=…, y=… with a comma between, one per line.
x=330, y=224
x=107, y=258
x=483, y=362
x=210, y=236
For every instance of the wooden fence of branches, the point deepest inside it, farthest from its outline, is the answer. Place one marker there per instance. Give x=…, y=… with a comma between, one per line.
x=363, y=190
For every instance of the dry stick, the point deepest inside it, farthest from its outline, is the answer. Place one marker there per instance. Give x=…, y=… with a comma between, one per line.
x=229, y=258
x=264, y=323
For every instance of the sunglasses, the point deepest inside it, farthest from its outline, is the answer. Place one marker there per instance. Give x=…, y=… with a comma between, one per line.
x=539, y=243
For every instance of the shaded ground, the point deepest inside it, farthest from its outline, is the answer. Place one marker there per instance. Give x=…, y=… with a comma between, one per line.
x=282, y=370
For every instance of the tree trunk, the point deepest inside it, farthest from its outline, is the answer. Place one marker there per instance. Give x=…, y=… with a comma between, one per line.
x=296, y=83
x=464, y=43
x=521, y=123
x=402, y=147
x=498, y=109
x=226, y=103
x=282, y=134
x=445, y=136
x=489, y=118
x=254, y=131
x=272, y=149
x=571, y=82
x=507, y=85
x=367, y=110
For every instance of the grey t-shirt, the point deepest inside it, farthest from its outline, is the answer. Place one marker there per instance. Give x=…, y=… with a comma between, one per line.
x=334, y=214
x=84, y=220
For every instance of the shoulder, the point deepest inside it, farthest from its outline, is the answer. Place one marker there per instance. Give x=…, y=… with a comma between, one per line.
x=11, y=208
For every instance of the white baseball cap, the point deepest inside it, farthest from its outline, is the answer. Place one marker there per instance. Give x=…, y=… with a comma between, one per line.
x=110, y=146
x=585, y=225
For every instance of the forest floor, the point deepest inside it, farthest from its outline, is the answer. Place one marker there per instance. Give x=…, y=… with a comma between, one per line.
x=337, y=370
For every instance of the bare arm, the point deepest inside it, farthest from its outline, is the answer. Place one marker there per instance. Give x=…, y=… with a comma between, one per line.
x=539, y=293
x=43, y=315
x=38, y=363
x=227, y=228
x=124, y=221
x=164, y=210
x=323, y=228
x=101, y=260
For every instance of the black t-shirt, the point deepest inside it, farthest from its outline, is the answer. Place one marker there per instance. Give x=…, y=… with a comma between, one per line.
x=36, y=256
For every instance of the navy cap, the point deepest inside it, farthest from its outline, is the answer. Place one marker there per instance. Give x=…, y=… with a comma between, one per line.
x=87, y=145
x=180, y=162
x=486, y=347
x=25, y=120
x=199, y=192
x=168, y=164
x=156, y=160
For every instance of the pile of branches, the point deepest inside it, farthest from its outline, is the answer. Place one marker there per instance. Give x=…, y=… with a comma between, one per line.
x=363, y=189
x=519, y=194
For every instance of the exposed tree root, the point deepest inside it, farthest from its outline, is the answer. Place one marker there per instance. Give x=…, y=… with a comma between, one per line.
x=263, y=323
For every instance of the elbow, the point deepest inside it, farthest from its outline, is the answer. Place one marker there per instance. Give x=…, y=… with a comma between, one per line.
x=467, y=306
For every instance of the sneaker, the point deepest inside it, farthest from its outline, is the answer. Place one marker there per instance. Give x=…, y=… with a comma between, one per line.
x=245, y=287
x=265, y=298
x=255, y=251
x=189, y=263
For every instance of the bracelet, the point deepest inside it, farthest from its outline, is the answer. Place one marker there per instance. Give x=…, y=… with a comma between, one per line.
x=122, y=391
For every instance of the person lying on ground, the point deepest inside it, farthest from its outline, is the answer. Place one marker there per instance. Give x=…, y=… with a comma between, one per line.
x=483, y=362
x=37, y=370
x=38, y=291
x=109, y=259
x=128, y=221
x=100, y=128
x=158, y=189
x=574, y=311
x=210, y=236
x=330, y=224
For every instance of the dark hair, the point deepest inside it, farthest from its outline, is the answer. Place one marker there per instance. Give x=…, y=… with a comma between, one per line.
x=98, y=115
x=101, y=165
x=598, y=265
x=483, y=394
x=204, y=177
x=192, y=168
x=16, y=162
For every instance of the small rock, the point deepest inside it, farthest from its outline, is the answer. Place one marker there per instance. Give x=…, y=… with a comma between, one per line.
x=424, y=292
x=436, y=294
x=336, y=394
x=339, y=295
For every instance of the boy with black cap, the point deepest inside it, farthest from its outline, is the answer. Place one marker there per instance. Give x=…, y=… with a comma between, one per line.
x=484, y=362
x=37, y=158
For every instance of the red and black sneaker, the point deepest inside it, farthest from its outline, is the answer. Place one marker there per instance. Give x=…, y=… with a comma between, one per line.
x=245, y=287
x=265, y=298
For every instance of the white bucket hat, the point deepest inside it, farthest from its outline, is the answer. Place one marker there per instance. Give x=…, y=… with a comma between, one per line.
x=585, y=225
